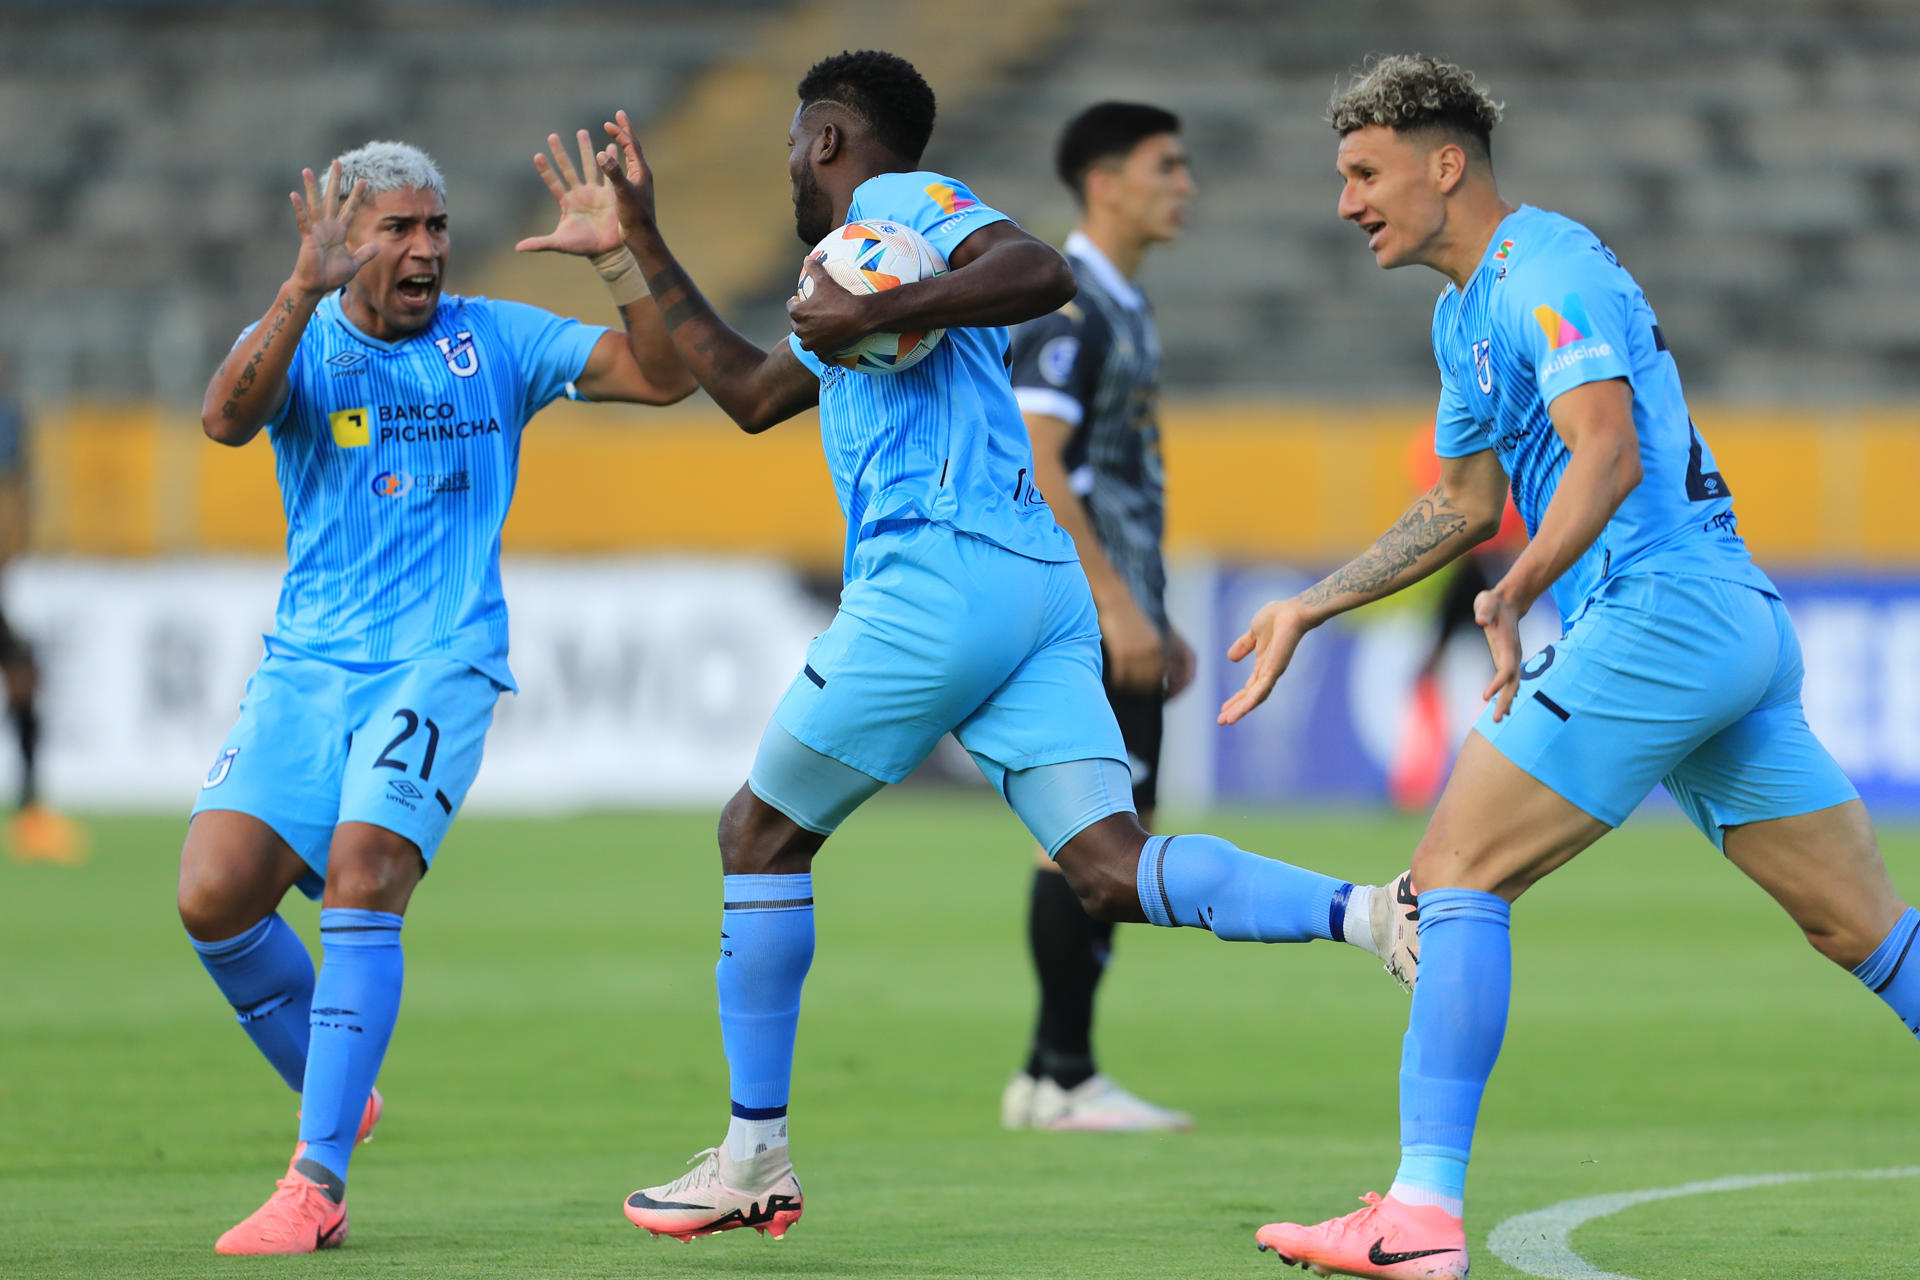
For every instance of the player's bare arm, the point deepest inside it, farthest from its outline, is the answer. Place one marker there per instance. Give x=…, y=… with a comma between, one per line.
x=642, y=368
x=1457, y=514
x=251, y=383
x=756, y=388
x=1596, y=423
x=1136, y=654
x=999, y=275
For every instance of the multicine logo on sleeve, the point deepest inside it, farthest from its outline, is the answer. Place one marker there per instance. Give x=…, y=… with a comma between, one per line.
x=949, y=200
x=1565, y=327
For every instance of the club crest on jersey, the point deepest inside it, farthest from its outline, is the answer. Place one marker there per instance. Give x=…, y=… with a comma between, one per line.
x=221, y=768
x=1483, y=364
x=463, y=359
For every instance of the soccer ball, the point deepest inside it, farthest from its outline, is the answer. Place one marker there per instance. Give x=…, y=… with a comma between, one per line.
x=867, y=257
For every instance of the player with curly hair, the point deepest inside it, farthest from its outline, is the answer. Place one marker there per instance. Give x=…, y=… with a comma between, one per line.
x=1678, y=663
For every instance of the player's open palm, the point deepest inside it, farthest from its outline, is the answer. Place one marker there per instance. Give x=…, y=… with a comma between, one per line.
x=1271, y=638
x=625, y=168
x=326, y=260
x=589, y=213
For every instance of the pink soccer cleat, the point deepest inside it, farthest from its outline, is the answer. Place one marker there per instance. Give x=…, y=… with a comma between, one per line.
x=722, y=1194
x=297, y=1218
x=1387, y=1240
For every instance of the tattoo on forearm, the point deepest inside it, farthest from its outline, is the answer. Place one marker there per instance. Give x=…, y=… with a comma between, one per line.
x=678, y=313
x=667, y=277
x=244, y=383
x=1429, y=523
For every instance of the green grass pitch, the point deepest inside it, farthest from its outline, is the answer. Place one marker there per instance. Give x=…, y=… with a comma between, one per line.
x=558, y=1047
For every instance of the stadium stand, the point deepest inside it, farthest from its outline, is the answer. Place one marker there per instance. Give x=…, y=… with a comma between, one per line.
x=1761, y=172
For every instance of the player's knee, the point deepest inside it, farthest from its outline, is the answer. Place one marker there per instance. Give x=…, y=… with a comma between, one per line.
x=1102, y=866
x=214, y=908
x=758, y=840
x=1846, y=947
x=374, y=872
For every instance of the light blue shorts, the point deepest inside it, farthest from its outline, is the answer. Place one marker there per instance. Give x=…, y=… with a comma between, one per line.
x=1673, y=678
x=319, y=744
x=942, y=632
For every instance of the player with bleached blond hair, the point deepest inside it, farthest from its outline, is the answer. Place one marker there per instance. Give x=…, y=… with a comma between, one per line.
x=395, y=411
x=1678, y=663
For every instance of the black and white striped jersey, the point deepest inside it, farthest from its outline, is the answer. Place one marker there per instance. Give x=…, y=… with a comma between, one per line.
x=1095, y=365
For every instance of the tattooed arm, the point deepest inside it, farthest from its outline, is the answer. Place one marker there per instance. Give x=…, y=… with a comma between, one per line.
x=251, y=383
x=1450, y=519
x=756, y=388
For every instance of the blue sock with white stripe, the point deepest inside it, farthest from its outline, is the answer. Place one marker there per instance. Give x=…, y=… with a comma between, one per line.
x=267, y=976
x=766, y=947
x=356, y=1001
x=1204, y=882
x=1892, y=972
x=1453, y=1037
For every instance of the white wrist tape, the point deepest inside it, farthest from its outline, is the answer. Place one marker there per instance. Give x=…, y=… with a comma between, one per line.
x=622, y=274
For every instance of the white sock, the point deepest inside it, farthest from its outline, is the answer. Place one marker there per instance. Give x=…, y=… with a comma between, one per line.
x=748, y=1138
x=1357, y=927
x=1405, y=1194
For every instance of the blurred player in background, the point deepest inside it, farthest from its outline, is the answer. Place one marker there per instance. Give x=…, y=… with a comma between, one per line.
x=1087, y=380
x=395, y=412
x=37, y=833
x=965, y=611
x=1678, y=662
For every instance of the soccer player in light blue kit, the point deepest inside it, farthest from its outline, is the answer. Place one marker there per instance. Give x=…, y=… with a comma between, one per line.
x=395, y=413
x=964, y=610
x=1678, y=663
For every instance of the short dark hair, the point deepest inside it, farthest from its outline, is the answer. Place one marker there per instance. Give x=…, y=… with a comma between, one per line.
x=1106, y=131
x=884, y=90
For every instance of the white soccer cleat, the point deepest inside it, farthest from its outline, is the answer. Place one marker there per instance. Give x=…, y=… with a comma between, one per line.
x=1098, y=1104
x=1016, y=1102
x=722, y=1194
x=1394, y=922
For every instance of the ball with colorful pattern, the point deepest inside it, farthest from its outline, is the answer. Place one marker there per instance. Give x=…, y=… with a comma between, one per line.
x=870, y=256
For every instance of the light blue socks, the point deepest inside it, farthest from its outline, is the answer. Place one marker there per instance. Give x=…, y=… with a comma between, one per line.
x=355, y=1003
x=1889, y=973
x=267, y=976
x=766, y=948
x=1453, y=1037
x=1203, y=882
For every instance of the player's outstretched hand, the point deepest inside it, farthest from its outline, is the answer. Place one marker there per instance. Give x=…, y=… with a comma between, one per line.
x=626, y=172
x=826, y=317
x=1271, y=637
x=1500, y=620
x=326, y=261
x=589, y=219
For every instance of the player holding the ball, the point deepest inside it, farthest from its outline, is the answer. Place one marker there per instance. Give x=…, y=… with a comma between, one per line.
x=964, y=610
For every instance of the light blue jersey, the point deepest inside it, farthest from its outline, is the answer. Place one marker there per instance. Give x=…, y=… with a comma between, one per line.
x=396, y=463
x=943, y=441
x=1549, y=309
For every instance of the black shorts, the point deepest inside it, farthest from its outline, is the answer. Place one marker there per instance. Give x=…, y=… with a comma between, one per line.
x=1141, y=717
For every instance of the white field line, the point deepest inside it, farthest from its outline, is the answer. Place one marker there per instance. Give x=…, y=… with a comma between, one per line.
x=1540, y=1243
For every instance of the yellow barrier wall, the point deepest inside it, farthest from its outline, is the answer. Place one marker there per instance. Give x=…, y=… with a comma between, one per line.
x=1255, y=481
